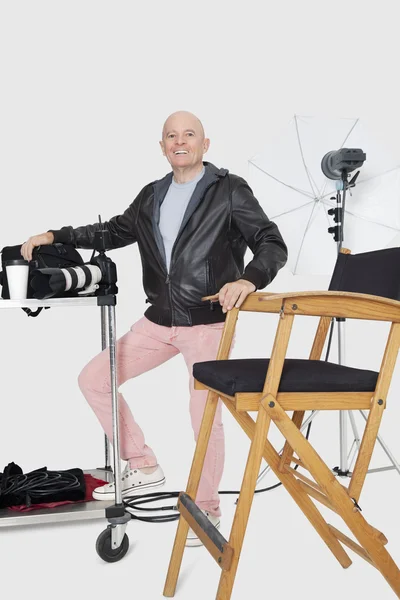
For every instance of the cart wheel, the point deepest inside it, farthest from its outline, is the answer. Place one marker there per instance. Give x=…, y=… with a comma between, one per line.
x=104, y=550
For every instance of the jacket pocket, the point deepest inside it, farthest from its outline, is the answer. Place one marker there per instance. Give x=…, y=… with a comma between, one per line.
x=210, y=281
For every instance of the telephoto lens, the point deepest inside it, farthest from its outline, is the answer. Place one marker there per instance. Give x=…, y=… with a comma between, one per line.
x=50, y=282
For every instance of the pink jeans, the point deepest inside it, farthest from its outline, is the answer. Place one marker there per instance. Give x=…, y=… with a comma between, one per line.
x=144, y=347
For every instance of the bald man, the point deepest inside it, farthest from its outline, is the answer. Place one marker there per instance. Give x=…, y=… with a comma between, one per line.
x=192, y=228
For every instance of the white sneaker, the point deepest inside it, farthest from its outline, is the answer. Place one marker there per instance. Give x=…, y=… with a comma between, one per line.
x=133, y=481
x=192, y=539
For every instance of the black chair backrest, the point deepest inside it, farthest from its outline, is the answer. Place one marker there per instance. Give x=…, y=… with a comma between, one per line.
x=376, y=273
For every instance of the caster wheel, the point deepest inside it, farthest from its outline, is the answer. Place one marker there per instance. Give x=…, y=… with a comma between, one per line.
x=104, y=550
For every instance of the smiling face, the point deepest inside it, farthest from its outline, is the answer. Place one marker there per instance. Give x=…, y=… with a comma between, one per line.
x=184, y=143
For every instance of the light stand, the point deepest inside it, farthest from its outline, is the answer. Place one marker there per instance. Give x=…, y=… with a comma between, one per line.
x=337, y=231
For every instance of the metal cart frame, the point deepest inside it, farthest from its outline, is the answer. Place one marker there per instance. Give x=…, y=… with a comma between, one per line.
x=113, y=542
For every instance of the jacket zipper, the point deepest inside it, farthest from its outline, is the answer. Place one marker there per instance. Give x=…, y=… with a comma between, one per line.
x=168, y=279
x=168, y=282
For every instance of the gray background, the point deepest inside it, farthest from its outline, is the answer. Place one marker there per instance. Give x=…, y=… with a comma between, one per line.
x=85, y=88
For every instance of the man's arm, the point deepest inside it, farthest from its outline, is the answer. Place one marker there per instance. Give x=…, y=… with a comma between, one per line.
x=121, y=229
x=262, y=237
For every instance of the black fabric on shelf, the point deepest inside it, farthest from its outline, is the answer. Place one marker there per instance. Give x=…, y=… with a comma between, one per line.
x=40, y=486
x=299, y=375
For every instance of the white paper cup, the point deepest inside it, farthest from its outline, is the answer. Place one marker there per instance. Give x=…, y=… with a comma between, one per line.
x=17, y=277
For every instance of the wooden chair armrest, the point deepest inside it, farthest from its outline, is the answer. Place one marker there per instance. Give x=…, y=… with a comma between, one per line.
x=322, y=303
x=328, y=294
x=214, y=297
x=336, y=304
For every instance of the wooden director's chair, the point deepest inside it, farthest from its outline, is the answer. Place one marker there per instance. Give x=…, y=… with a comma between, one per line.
x=363, y=286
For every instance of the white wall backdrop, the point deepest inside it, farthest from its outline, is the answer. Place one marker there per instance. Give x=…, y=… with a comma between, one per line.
x=85, y=88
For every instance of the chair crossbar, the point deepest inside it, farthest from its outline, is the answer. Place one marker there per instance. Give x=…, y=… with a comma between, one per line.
x=305, y=479
x=212, y=539
x=314, y=493
x=351, y=544
x=313, y=490
x=297, y=461
x=303, y=401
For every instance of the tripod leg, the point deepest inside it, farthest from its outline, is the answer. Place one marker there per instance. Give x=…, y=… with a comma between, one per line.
x=344, y=467
x=354, y=428
x=388, y=453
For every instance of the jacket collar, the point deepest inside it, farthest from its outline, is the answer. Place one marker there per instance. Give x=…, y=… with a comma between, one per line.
x=211, y=173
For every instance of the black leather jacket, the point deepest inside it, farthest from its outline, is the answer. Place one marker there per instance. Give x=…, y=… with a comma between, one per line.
x=221, y=220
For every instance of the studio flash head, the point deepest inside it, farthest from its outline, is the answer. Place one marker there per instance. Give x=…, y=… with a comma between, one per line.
x=338, y=163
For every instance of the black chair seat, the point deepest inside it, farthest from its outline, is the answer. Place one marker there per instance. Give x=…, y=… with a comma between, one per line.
x=248, y=375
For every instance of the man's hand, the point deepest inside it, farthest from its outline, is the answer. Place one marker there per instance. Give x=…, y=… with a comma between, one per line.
x=42, y=239
x=235, y=293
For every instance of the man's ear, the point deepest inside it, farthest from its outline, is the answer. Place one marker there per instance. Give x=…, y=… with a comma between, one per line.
x=206, y=145
x=162, y=147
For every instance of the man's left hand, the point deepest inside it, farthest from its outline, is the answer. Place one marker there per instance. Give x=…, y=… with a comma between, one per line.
x=235, y=293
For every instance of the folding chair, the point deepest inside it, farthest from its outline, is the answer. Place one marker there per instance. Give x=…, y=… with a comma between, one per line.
x=363, y=286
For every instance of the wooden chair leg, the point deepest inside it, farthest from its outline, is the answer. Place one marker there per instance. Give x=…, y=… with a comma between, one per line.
x=338, y=496
x=192, y=487
x=294, y=488
x=244, y=504
x=376, y=411
x=366, y=449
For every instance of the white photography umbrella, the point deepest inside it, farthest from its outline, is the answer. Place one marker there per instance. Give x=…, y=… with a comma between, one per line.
x=287, y=179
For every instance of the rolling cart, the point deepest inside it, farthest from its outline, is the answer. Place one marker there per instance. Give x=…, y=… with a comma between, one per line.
x=112, y=544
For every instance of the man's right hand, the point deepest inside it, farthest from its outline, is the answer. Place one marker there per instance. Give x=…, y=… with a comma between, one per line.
x=42, y=239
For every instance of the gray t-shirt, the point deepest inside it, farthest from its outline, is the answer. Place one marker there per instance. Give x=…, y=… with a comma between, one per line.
x=173, y=209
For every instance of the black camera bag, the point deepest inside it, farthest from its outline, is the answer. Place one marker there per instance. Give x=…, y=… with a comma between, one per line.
x=53, y=255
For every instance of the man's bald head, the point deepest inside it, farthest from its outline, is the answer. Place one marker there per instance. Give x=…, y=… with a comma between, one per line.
x=184, y=144
x=183, y=119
